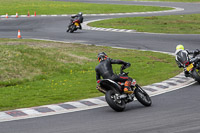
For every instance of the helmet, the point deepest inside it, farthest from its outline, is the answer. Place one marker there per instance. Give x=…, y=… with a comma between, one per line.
x=102, y=56
x=180, y=47
x=80, y=13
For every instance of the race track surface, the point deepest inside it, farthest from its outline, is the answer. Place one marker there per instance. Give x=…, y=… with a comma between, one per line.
x=173, y=112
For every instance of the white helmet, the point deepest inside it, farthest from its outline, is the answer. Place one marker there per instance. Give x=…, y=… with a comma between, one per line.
x=80, y=13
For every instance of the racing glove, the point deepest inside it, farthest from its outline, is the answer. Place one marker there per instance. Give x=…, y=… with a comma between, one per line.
x=196, y=52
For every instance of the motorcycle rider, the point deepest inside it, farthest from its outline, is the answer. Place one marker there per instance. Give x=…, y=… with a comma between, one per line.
x=79, y=17
x=180, y=51
x=104, y=70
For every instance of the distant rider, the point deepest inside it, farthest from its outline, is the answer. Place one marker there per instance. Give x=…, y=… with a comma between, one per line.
x=79, y=17
x=104, y=70
x=180, y=52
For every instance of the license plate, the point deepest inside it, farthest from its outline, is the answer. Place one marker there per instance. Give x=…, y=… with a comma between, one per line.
x=189, y=67
x=76, y=24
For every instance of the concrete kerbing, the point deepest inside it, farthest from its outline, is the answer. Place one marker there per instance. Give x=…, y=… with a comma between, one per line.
x=171, y=84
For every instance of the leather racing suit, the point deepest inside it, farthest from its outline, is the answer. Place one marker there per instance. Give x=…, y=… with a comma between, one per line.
x=78, y=17
x=187, y=52
x=183, y=55
x=104, y=70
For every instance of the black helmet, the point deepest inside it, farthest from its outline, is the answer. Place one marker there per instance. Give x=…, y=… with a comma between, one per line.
x=102, y=56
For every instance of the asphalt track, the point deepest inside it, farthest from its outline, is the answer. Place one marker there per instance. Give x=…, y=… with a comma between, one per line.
x=173, y=112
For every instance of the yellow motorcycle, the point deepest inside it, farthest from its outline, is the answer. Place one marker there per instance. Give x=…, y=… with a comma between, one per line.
x=74, y=25
x=191, y=66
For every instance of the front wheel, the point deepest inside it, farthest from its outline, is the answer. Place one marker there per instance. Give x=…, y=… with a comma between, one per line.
x=196, y=75
x=72, y=28
x=113, y=100
x=142, y=96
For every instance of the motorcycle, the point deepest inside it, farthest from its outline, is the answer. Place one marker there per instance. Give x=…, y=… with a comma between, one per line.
x=74, y=25
x=191, y=66
x=116, y=98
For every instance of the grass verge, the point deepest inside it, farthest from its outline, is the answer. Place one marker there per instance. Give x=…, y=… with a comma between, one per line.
x=36, y=73
x=174, y=24
x=60, y=7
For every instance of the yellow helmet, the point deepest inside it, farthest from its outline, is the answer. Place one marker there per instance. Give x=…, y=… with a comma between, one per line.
x=180, y=46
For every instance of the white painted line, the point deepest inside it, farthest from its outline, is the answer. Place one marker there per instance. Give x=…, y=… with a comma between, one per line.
x=129, y=31
x=76, y=104
x=154, y=87
x=122, y=30
x=96, y=101
x=169, y=90
x=29, y=111
x=108, y=29
x=162, y=83
x=55, y=107
x=3, y=116
x=97, y=28
x=115, y=30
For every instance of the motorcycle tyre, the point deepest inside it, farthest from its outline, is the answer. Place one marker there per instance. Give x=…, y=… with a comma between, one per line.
x=196, y=75
x=140, y=99
x=71, y=31
x=73, y=28
x=112, y=104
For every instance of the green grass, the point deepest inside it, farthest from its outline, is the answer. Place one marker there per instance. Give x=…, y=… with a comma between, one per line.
x=59, y=7
x=36, y=73
x=175, y=24
x=167, y=0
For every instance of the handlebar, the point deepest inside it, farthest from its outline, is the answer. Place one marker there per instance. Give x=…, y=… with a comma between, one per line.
x=123, y=67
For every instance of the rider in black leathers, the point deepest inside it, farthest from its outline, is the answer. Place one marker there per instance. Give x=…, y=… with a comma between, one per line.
x=79, y=17
x=180, y=51
x=104, y=70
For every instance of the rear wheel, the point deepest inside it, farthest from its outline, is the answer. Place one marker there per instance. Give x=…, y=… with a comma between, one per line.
x=113, y=100
x=142, y=96
x=196, y=75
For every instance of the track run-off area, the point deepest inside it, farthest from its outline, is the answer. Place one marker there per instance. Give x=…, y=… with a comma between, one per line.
x=173, y=112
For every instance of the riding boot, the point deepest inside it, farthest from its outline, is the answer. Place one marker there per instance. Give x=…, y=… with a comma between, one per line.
x=127, y=87
x=80, y=27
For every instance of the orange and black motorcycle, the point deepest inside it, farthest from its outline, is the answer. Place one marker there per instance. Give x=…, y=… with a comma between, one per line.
x=116, y=98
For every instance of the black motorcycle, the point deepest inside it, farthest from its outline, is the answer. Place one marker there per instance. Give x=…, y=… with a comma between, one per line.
x=116, y=98
x=191, y=65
